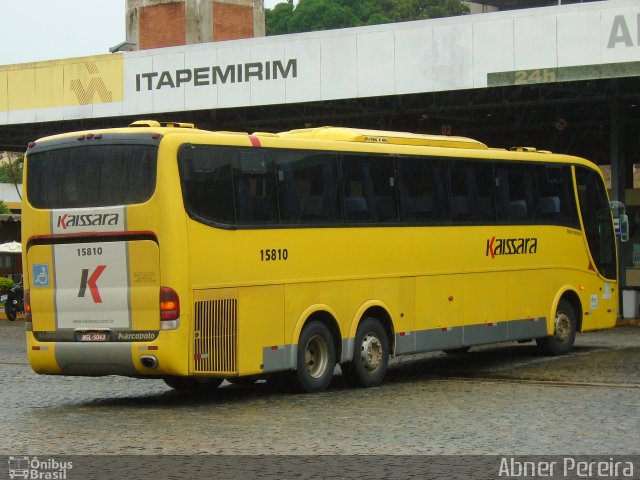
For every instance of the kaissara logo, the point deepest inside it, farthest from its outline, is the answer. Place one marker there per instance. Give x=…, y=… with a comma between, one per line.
x=87, y=220
x=511, y=246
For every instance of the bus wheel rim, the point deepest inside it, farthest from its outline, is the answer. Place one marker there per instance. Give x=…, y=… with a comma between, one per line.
x=316, y=356
x=563, y=327
x=371, y=352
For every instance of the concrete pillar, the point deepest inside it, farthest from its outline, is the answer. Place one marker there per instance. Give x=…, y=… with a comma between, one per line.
x=199, y=17
x=200, y=22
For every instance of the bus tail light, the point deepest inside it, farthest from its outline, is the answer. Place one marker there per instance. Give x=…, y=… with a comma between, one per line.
x=169, y=304
x=27, y=306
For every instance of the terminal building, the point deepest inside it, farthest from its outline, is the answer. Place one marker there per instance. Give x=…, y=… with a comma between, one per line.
x=561, y=76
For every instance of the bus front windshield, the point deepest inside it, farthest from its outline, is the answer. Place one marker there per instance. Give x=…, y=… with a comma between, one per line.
x=598, y=222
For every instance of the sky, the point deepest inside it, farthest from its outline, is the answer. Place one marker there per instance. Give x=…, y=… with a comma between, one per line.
x=35, y=30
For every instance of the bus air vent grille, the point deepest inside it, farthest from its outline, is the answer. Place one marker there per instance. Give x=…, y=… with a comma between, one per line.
x=216, y=336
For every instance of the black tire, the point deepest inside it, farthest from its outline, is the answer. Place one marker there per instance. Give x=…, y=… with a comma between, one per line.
x=11, y=310
x=193, y=384
x=564, y=332
x=370, y=357
x=316, y=358
x=457, y=351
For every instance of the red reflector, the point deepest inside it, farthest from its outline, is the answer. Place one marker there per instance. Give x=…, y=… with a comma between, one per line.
x=152, y=347
x=255, y=141
x=402, y=334
x=169, y=304
x=31, y=144
x=274, y=347
x=35, y=348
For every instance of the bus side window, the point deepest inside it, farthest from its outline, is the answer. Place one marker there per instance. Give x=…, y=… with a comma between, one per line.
x=516, y=192
x=307, y=189
x=421, y=189
x=556, y=202
x=368, y=189
x=355, y=205
x=471, y=191
x=383, y=188
x=255, y=189
x=207, y=183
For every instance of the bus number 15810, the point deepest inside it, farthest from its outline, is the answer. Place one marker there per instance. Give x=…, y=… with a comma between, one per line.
x=88, y=252
x=273, y=254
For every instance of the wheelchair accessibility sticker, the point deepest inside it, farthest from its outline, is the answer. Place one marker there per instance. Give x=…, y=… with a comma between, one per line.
x=40, y=275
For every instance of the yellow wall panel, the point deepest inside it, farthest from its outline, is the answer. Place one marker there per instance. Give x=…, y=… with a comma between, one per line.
x=4, y=94
x=62, y=83
x=49, y=87
x=22, y=89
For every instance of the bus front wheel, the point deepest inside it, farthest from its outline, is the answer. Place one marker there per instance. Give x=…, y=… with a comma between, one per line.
x=370, y=357
x=316, y=358
x=564, y=332
x=193, y=384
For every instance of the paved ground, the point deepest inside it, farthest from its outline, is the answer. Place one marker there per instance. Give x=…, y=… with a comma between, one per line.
x=503, y=400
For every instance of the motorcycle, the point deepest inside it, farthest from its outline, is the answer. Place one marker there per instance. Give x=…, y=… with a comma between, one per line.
x=14, y=303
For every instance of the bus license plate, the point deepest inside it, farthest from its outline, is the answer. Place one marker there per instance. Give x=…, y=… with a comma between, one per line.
x=94, y=336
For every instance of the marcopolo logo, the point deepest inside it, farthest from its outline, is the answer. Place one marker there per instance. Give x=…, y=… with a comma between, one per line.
x=36, y=468
x=511, y=246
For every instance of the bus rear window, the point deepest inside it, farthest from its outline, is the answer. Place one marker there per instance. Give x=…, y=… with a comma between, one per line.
x=91, y=176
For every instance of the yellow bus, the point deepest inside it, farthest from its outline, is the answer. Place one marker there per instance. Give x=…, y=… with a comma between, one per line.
x=164, y=251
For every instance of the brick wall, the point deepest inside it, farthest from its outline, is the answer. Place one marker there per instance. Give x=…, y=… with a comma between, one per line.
x=162, y=25
x=232, y=21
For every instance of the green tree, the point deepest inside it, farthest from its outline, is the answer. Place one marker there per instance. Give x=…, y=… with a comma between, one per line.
x=4, y=208
x=311, y=15
x=11, y=167
x=278, y=18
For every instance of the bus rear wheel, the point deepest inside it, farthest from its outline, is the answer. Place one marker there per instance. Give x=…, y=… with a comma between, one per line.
x=193, y=384
x=316, y=358
x=370, y=357
x=564, y=332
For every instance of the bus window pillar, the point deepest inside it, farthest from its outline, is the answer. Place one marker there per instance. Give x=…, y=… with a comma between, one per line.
x=618, y=172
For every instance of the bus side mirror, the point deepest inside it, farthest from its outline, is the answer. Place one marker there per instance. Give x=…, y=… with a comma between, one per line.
x=624, y=228
x=620, y=220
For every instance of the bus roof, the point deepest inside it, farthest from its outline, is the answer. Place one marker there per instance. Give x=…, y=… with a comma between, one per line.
x=343, y=134
x=352, y=136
